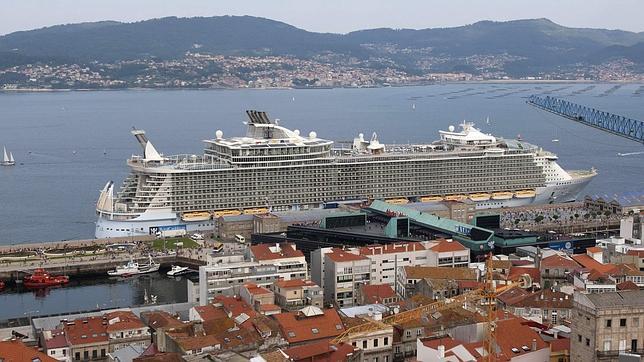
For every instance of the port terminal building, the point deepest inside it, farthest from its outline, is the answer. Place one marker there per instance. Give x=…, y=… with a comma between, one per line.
x=385, y=223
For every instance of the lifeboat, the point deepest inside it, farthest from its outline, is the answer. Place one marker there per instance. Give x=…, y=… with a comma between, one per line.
x=431, y=198
x=399, y=201
x=221, y=213
x=525, y=194
x=479, y=196
x=41, y=279
x=455, y=197
x=196, y=216
x=256, y=211
x=504, y=195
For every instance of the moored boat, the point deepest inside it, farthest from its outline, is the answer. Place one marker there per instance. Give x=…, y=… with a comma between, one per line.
x=178, y=270
x=41, y=279
x=129, y=269
x=150, y=267
x=196, y=216
x=398, y=201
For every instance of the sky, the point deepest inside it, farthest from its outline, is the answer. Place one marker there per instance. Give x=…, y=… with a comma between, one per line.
x=337, y=16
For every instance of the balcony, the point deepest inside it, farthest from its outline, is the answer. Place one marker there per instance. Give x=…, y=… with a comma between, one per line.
x=615, y=353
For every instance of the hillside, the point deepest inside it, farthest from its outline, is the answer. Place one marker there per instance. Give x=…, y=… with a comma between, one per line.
x=516, y=47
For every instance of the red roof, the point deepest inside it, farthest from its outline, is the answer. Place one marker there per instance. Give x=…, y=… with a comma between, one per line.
x=275, y=251
x=511, y=333
x=86, y=331
x=57, y=340
x=339, y=255
x=294, y=283
x=516, y=272
x=235, y=306
x=320, y=351
x=210, y=312
x=297, y=328
x=269, y=308
x=161, y=319
x=391, y=248
x=559, y=344
x=590, y=263
x=558, y=261
x=446, y=246
x=636, y=252
x=254, y=289
x=122, y=321
x=376, y=293
x=627, y=285
x=595, y=249
x=16, y=351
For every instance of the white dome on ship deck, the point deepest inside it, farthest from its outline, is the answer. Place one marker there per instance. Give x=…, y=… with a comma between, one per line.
x=219, y=134
x=312, y=134
x=297, y=132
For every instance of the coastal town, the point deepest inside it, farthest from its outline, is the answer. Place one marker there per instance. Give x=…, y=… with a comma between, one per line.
x=376, y=293
x=206, y=71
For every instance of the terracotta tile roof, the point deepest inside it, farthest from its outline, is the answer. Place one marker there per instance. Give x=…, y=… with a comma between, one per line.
x=520, y=262
x=447, y=342
x=269, y=308
x=558, y=261
x=434, y=272
x=122, y=321
x=254, y=289
x=294, y=283
x=275, y=251
x=545, y=298
x=636, y=252
x=516, y=272
x=511, y=333
x=446, y=246
x=625, y=270
x=86, y=331
x=160, y=357
x=320, y=351
x=16, y=351
x=339, y=255
x=590, y=263
x=234, y=306
x=391, y=248
x=210, y=312
x=190, y=343
x=57, y=340
x=469, y=284
x=376, y=293
x=512, y=296
x=595, y=249
x=160, y=319
x=559, y=344
x=627, y=285
x=296, y=328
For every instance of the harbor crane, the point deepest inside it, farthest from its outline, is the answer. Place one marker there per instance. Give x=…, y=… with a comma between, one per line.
x=487, y=294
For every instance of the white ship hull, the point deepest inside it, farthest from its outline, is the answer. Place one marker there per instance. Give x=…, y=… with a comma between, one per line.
x=149, y=222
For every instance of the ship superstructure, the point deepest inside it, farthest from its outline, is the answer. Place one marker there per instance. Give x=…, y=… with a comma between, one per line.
x=278, y=169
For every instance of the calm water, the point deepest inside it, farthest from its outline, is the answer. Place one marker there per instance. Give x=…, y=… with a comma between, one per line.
x=82, y=295
x=69, y=144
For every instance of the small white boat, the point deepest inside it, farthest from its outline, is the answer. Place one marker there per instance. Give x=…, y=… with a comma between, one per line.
x=131, y=268
x=178, y=270
x=555, y=140
x=7, y=159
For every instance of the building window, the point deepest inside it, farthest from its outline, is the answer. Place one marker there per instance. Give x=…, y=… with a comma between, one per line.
x=386, y=341
x=609, y=323
x=375, y=342
x=408, y=333
x=587, y=341
x=77, y=356
x=94, y=354
x=622, y=322
x=86, y=355
x=579, y=338
x=364, y=344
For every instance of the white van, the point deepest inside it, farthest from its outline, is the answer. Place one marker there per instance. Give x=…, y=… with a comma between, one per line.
x=240, y=239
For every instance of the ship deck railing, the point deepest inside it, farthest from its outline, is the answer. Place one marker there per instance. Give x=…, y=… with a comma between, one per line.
x=180, y=162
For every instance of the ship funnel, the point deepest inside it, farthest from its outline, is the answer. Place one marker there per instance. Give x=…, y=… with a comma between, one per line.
x=139, y=134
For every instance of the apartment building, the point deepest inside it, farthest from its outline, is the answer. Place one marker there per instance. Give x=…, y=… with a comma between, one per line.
x=297, y=293
x=607, y=325
x=343, y=275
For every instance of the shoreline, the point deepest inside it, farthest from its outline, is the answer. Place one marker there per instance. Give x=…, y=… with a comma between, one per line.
x=491, y=81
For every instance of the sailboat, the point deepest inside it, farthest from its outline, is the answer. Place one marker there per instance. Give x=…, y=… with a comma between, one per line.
x=7, y=160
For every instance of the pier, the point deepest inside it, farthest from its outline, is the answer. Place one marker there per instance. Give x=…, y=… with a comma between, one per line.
x=629, y=128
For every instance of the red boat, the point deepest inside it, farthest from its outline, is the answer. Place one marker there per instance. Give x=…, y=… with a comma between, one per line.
x=41, y=279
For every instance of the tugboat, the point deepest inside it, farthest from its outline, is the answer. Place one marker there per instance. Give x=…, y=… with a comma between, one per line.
x=41, y=279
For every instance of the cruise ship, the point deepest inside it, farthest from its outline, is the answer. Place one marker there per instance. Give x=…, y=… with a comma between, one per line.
x=273, y=168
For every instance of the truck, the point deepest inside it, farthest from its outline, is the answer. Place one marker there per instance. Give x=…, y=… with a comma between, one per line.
x=171, y=233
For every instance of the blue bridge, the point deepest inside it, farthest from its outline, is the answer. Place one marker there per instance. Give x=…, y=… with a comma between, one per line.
x=613, y=123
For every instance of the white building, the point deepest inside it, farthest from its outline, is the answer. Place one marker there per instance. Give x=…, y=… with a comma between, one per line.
x=343, y=274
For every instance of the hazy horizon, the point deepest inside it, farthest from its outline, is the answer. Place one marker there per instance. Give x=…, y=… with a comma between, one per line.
x=331, y=16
